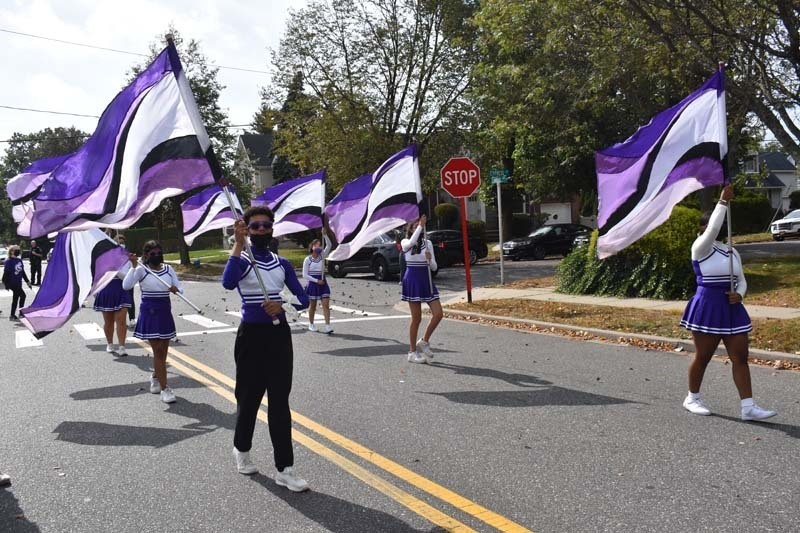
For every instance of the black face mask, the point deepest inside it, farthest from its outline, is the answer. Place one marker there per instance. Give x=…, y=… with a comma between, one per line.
x=261, y=241
x=156, y=259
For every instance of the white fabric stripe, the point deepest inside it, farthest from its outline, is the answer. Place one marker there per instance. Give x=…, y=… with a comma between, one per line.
x=209, y=223
x=719, y=331
x=308, y=195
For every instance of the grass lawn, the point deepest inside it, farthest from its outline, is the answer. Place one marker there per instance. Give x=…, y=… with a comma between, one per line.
x=220, y=256
x=767, y=334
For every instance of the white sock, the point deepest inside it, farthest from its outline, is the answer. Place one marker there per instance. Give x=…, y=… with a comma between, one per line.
x=695, y=395
x=747, y=402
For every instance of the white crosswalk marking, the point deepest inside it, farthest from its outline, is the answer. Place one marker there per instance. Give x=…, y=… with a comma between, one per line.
x=89, y=331
x=237, y=314
x=352, y=311
x=206, y=322
x=25, y=339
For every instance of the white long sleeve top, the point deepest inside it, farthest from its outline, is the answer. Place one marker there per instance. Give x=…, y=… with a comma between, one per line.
x=710, y=258
x=151, y=287
x=419, y=258
x=314, y=268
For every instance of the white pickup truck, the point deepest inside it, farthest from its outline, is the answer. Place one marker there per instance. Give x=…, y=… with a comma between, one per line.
x=788, y=226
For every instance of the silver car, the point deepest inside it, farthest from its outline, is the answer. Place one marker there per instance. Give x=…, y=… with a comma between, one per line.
x=788, y=226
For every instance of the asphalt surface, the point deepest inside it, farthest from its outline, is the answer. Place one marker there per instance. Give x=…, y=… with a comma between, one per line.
x=506, y=428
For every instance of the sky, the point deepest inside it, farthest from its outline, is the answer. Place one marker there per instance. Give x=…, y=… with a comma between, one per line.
x=54, y=76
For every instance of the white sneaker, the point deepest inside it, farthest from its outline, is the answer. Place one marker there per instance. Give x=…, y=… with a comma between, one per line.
x=5, y=479
x=415, y=357
x=167, y=396
x=425, y=348
x=312, y=327
x=754, y=412
x=121, y=351
x=288, y=479
x=110, y=348
x=243, y=463
x=696, y=406
x=327, y=329
x=155, y=386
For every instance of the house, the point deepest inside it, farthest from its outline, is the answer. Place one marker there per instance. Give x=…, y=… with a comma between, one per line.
x=255, y=150
x=780, y=176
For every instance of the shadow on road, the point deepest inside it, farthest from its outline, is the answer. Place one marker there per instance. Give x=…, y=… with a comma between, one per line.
x=520, y=380
x=12, y=517
x=789, y=430
x=101, y=434
x=335, y=514
x=131, y=389
x=545, y=396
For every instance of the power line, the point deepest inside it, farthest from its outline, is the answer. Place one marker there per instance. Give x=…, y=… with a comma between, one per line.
x=62, y=41
x=48, y=112
x=24, y=139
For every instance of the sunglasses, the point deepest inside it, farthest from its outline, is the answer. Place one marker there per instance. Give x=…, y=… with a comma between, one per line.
x=259, y=225
x=154, y=252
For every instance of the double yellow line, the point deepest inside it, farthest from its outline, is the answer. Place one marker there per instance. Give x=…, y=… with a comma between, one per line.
x=402, y=497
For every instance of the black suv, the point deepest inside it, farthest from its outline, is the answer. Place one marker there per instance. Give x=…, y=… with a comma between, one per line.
x=381, y=256
x=449, y=247
x=547, y=240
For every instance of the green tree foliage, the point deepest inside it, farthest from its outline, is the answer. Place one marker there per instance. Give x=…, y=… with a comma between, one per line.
x=447, y=216
x=26, y=148
x=657, y=266
x=370, y=76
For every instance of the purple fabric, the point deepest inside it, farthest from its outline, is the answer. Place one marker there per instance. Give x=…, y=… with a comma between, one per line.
x=706, y=170
x=33, y=176
x=277, y=192
x=402, y=211
x=615, y=189
x=203, y=197
x=348, y=208
x=308, y=220
x=61, y=294
x=201, y=205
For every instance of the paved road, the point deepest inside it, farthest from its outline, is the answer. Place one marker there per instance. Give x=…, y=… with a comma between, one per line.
x=507, y=428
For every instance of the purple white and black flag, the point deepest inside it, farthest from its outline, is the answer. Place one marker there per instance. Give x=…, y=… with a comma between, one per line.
x=297, y=204
x=149, y=144
x=681, y=150
x=83, y=262
x=207, y=210
x=375, y=203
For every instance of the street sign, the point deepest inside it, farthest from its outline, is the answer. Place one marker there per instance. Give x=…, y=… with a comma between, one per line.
x=500, y=175
x=460, y=177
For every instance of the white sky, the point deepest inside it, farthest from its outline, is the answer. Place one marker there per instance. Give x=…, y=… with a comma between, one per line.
x=55, y=76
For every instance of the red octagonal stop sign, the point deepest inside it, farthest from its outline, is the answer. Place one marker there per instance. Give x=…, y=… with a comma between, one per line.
x=461, y=177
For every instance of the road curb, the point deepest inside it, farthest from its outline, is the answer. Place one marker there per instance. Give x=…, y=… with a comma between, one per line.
x=680, y=344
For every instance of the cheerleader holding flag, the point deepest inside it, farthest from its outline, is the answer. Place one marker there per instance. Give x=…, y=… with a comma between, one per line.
x=317, y=288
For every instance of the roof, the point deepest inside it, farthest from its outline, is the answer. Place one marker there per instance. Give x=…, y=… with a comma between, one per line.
x=775, y=161
x=259, y=146
x=770, y=182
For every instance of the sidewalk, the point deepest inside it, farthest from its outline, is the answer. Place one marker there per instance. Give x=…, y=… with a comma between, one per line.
x=549, y=294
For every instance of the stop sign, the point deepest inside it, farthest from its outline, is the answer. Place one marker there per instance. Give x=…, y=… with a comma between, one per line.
x=461, y=177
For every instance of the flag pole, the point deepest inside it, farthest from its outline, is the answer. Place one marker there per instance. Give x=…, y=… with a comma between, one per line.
x=167, y=285
x=728, y=207
x=427, y=262
x=216, y=172
x=322, y=219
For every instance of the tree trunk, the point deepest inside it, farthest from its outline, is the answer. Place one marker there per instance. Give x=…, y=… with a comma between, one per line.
x=183, y=250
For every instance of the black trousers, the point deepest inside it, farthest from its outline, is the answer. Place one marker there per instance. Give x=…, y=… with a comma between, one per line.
x=17, y=298
x=36, y=273
x=264, y=361
x=132, y=308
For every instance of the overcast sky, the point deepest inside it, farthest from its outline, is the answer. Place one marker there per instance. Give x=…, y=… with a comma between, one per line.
x=54, y=76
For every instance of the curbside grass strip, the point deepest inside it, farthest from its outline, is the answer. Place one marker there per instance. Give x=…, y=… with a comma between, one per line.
x=685, y=344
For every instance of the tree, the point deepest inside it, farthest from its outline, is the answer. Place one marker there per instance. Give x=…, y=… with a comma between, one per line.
x=206, y=89
x=378, y=75
x=25, y=148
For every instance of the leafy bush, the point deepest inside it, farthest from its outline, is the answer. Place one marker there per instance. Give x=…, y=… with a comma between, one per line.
x=657, y=266
x=751, y=213
x=447, y=215
x=476, y=228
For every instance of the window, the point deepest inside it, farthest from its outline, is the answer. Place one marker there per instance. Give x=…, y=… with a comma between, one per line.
x=751, y=165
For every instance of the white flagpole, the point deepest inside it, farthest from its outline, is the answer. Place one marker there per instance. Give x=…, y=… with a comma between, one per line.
x=430, y=277
x=167, y=285
x=324, y=234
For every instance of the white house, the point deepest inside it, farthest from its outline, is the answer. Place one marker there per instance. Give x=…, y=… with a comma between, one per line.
x=256, y=149
x=781, y=176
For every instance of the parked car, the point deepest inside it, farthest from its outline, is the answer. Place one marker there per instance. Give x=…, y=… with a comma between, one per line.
x=3, y=255
x=380, y=256
x=547, y=240
x=788, y=226
x=582, y=238
x=449, y=247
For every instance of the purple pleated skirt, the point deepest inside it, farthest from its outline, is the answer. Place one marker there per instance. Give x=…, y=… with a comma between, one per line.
x=418, y=286
x=155, y=319
x=709, y=312
x=113, y=297
x=315, y=291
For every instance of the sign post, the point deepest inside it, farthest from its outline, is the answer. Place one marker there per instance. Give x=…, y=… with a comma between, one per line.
x=498, y=176
x=461, y=178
